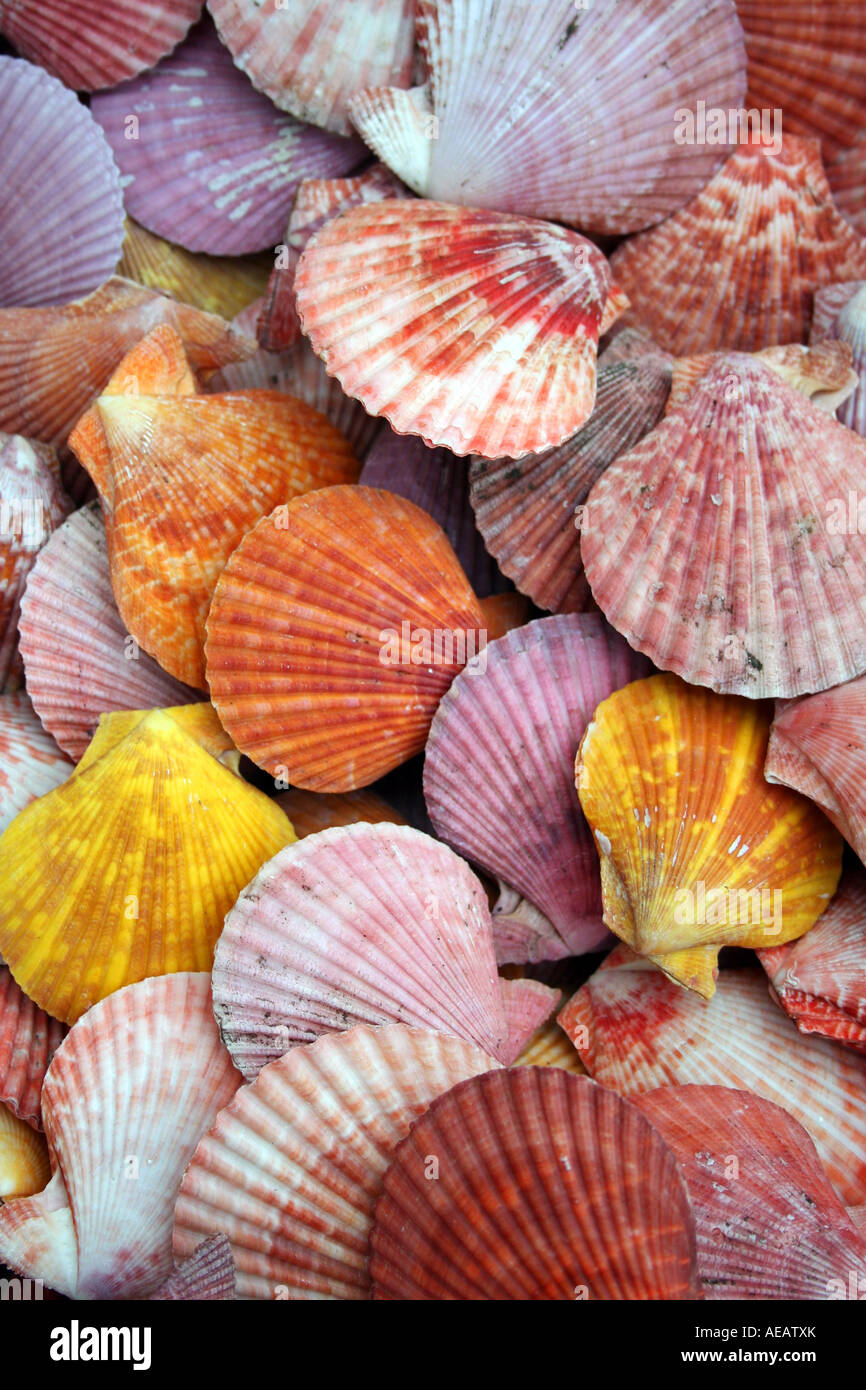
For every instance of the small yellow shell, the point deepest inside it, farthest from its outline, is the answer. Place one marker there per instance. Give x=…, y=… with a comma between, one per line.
x=697, y=850
x=24, y=1163
x=129, y=872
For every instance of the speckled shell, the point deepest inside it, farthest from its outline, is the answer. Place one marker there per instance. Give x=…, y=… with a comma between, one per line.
x=637, y=1030
x=41, y=398
x=293, y=1166
x=498, y=766
x=697, y=850
x=30, y=761
x=28, y=1040
x=820, y=981
x=359, y=924
x=90, y=44
x=312, y=56
x=530, y=510
x=531, y=1167
x=560, y=111
x=182, y=476
x=305, y=651
x=61, y=221
x=823, y=374
x=128, y=1096
x=79, y=660
x=475, y=330
x=769, y=1225
x=713, y=545
x=818, y=747
x=150, y=841
x=211, y=164
x=768, y=226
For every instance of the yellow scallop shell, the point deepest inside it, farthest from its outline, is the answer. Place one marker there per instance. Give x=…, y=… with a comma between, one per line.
x=24, y=1164
x=130, y=872
x=697, y=851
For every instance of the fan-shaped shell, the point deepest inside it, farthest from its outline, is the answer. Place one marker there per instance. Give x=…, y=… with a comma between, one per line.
x=293, y=1166
x=360, y=924
x=208, y=1273
x=24, y=1165
x=311, y=812
x=79, y=660
x=149, y=841
x=820, y=980
x=62, y=216
x=90, y=44
x=55, y=362
x=530, y=510
x=128, y=1096
x=840, y=313
x=697, y=850
x=223, y=285
x=28, y=1040
x=637, y=1030
x=845, y=170
x=713, y=545
x=476, y=330
x=498, y=767
x=181, y=477
x=306, y=659
x=562, y=111
x=769, y=1225
x=533, y=1184
x=551, y=1047
x=767, y=224
x=823, y=374
x=30, y=761
x=312, y=56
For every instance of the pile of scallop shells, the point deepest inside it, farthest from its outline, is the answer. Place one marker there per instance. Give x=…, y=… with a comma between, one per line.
x=433, y=649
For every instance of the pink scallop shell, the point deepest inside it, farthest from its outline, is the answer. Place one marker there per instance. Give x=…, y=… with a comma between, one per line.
x=711, y=544
x=359, y=924
x=499, y=767
x=528, y=1005
x=79, y=660
x=207, y=1274
x=91, y=44
x=211, y=164
x=820, y=979
x=54, y=158
x=560, y=111
x=30, y=761
x=846, y=170
x=840, y=312
x=636, y=1030
x=29, y=1037
x=769, y=1225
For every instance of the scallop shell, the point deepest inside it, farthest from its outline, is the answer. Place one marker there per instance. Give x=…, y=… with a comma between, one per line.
x=316, y=202
x=768, y=226
x=57, y=160
x=528, y=1005
x=207, y=161
x=712, y=547
x=311, y=812
x=30, y=761
x=182, y=476
x=530, y=510
x=809, y=58
x=769, y=1225
x=24, y=1166
x=89, y=44
x=28, y=1040
x=207, y=1274
x=298, y=372
x=823, y=374
x=817, y=746
x=312, y=56
x=697, y=850
x=551, y=1047
x=561, y=111
x=360, y=924
x=438, y=482
x=128, y=1096
x=306, y=659
x=223, y=285
x=530, y=1168
x=32, y=504
x=55, y=362
x=476, y=330
x=846, y=170
x=79, y=660
x=840, y=312
x=820, y=981
x=293, y=1166
x=150, y=841
x=498, y=768
x=637, y=1030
